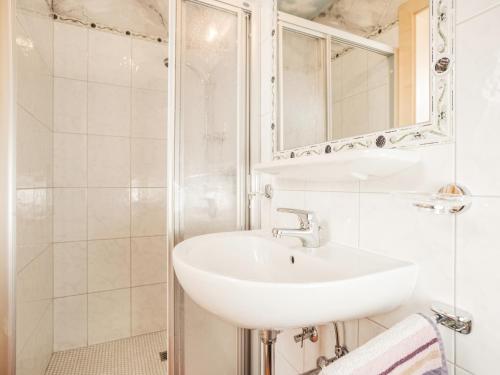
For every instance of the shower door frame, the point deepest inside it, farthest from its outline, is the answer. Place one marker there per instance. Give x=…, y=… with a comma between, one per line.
x=248, y=129
x=7, y=189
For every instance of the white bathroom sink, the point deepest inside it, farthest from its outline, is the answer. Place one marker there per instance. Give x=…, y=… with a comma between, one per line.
x=256, y=281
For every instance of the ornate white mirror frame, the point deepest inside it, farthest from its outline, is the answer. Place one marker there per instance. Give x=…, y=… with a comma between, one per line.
x=441, y=127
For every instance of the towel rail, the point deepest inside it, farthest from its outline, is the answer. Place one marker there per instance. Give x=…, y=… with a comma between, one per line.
x=457, y=320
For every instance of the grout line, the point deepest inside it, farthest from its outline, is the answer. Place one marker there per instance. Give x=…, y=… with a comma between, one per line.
x=108, y=135
x=110, y=290
x=35, y=258
x=33, y=116
x=149, y=89
x=377, y=323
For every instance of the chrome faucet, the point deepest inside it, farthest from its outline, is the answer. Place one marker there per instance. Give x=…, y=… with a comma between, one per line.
x=308, y=233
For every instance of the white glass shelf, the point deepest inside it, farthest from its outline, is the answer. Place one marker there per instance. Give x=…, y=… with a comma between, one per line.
x=359, y=165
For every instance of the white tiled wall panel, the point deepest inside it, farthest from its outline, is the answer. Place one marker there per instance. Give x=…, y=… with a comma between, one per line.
x=109, y=158
x=458, y=257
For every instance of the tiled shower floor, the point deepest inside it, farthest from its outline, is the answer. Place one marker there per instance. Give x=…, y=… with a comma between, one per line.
x=133, y=356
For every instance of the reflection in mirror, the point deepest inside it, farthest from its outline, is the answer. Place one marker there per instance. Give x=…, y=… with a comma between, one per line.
x=304, y=79
x=360, y=66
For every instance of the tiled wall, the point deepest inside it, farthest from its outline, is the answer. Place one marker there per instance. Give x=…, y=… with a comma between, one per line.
x=34, y=256
x=110, y=105
x=458, y=256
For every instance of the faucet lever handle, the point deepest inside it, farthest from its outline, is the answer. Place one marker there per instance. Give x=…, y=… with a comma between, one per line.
x=305, y=216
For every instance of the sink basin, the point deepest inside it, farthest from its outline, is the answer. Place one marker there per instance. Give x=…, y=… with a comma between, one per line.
x=256, y=281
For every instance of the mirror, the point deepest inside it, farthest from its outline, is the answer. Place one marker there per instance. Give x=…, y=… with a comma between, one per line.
x=349, y=72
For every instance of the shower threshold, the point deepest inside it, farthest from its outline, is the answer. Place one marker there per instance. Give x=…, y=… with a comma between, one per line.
x=132, y=356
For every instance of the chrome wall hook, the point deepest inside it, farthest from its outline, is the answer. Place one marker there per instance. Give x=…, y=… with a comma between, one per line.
x=267, y=193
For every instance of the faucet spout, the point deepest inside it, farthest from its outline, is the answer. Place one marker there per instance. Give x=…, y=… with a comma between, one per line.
x=308, y=233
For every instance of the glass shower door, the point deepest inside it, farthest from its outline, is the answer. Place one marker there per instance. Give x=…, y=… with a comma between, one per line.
x=210, y=166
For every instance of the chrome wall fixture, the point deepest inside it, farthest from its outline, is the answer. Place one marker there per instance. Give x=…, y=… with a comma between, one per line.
x=340, y=351
x=450, y=199
x=309, y=333
x=454, y=319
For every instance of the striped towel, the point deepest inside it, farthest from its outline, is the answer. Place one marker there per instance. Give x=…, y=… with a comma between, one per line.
x=412, y=347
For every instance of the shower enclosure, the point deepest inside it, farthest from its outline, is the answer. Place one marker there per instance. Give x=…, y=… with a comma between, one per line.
x=209, y=167
x=98, y=187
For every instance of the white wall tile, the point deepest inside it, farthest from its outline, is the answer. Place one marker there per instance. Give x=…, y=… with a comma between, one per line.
x=283, y=367
x=147, y=314
x=149, y=260
x=70, y=322
x=34, y=79
x=148, y=68
x=70, y=51
x=40, y=29
x=109, y=161
x=478, y=111
x=379, y=70
x=109, y=58
x=70, y=268
x=393, y=228
x=467, y=9
x=148, y=212
x=36, y=354
x=379, y=109
x=354, y=120
x=70, y=160
x=108, y=213
x=461, y=371
x=109, y=316
x=108, y=110
x=337, y=80
x=109, y=264
x=70, y=105
x=291, y=351
x=478, y=284
x=338, y=215
x=34, y=292
x=70, y=214
x=34, y=158
x=368, y=330
x=38, y=6
x=149, y=163
x=149, y=114
x=33, y=224
x=355, y=67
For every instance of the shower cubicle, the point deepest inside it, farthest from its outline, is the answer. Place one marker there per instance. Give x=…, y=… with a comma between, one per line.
x=131, y=132
x=209, y=165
